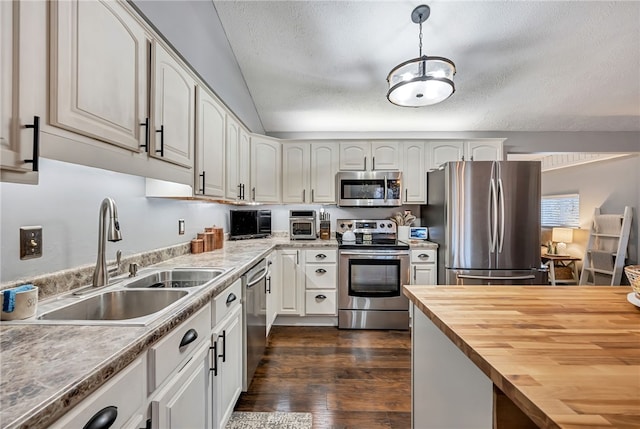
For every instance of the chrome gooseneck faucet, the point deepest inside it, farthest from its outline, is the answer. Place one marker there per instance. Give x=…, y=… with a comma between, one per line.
x=101, y=275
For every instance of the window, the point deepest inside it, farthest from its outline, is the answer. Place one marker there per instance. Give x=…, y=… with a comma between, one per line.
x=561, y=210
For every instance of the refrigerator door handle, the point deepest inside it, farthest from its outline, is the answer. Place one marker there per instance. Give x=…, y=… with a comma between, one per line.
x=467, y=276
x=494, y=215
x=501, y=236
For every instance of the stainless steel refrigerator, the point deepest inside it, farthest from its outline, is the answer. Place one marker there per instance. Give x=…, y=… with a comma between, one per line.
x=485, y=217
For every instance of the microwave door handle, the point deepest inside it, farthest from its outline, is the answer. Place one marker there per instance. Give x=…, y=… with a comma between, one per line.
x=385, y=189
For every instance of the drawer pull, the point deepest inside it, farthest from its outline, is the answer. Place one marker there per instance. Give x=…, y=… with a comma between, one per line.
x=321, y=297
x=321, y=256
x=321, y=271
x=423, y=255
x=103, y=419
x=189, y=337
x=232, y=297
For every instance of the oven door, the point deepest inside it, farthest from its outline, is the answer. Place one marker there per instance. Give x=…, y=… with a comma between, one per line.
x=372, y=279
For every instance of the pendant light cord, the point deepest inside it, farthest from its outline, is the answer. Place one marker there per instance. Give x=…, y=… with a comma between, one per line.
x=420, y=35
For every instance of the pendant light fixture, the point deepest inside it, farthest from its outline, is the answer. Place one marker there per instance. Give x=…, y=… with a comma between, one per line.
x=421, y=81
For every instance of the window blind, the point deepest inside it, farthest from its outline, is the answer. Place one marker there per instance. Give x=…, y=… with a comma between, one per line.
x=561, y=210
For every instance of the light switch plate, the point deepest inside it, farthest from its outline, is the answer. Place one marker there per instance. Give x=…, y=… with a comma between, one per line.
x=30, y=242
x=180, y=226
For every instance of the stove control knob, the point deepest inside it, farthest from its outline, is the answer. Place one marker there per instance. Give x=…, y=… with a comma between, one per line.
x=350, y=225
x=381, y=225
x=389, y=225
x=342, y=225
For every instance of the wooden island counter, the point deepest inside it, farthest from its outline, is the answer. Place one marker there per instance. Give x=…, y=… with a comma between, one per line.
x=524, y=356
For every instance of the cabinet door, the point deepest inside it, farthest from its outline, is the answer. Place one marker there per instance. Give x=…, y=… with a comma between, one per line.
x=484, y=150
x=210, y=143
x=98, y=72
x=424, y=274
x=385, y=155
x=232, y=138
x=244, y=163
x=174, y=110
x=355, y=155
x=290, y=286
x=444, y=151
x=266, y=170
x=272, y=290
x=16, y=51
x=186, y=401
x=295, y=173
x=324, y=166
x=414, y=173
x=229, y=383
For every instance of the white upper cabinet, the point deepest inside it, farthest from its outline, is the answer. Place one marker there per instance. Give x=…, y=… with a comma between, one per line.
x=232, y=138
x=444, y=151
x=266, y=170
x=324, y=166
x=369, y=156
x=441, y=152
x=296, y=163
x=244, y=162
x=210, y=143
x=414, y=173
x=173, y=95
x=99, y=72
x=22, y=58
x=484, y=150
x=308, y=173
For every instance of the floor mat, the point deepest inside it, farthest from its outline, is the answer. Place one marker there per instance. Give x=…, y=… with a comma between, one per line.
x=275, y=420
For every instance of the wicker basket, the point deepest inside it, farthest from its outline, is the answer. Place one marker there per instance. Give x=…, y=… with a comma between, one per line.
x=633, y=274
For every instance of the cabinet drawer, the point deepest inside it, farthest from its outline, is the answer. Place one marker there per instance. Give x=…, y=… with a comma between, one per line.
x=320, y=276
x=226, y=302
x=320, y=255
x=125, y=392
x=423, y=255
x=166, y=355
x=320, y=302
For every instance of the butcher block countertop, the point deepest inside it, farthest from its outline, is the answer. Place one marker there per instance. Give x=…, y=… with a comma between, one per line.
x=568, y=357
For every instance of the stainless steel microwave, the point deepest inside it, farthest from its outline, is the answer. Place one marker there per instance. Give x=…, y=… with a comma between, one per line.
x=369, y=188
x=249, y=224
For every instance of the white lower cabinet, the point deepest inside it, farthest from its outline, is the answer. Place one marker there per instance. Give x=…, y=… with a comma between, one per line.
x=185, y=402
x=271, y=306
x=424, y=267
x=119, y=402
x=291, y=301
x=321, y=276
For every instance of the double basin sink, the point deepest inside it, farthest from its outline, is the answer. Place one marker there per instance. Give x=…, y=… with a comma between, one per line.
x=133, y=301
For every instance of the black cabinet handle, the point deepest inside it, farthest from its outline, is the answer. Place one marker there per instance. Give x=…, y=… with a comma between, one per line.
x=161, y=131
x=365, y=163
x=242, y=197
x=202, y=175
x=373, y=167
x=224, y=345
x=103, y=419
x=321, y=297
x=423, y=255
x=145, y=124
x=232, y=297
x=254, y=194
x=215, y=358
x=36, y=144
x=267, y=285
x=321, y=256
x=321, y=271
x=189, y=337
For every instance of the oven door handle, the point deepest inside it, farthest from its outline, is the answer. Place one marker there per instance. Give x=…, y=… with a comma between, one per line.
x=374, y=253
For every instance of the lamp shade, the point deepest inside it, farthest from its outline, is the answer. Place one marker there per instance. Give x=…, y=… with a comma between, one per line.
x=421, y=81
x=562, y=235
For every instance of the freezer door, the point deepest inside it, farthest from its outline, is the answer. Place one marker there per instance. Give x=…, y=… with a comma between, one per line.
x=471, y=214
x=518, y=244
x=496, y=277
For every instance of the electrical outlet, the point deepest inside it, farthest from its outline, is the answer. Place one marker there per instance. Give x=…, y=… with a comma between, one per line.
x=180, y=226
x=30, y=242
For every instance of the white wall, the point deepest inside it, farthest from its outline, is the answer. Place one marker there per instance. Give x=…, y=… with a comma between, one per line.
x=66, y=204
x=194, y=30
x=610, y=185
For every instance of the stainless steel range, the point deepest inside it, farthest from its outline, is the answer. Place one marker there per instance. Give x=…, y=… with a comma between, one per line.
x=372, y=267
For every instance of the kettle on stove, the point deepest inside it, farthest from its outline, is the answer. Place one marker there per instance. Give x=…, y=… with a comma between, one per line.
x=349, y=237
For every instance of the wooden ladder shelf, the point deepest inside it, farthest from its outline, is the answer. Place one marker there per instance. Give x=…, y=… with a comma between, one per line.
x=606, y=249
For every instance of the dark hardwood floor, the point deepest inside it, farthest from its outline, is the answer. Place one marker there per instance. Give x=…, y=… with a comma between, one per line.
x=346, y=379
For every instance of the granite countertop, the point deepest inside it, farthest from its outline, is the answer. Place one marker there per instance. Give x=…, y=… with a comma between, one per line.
x=568, y=357
x=45, y=370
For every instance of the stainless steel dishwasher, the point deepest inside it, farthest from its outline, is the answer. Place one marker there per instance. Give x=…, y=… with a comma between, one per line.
x=254, y=289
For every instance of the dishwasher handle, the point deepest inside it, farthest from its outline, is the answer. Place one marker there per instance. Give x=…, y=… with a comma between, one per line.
x=262, y=274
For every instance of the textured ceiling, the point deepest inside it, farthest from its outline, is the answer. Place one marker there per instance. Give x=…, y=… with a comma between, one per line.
x=314, y=66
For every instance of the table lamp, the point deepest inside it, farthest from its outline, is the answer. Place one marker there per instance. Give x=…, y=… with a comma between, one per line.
x=562, y=236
